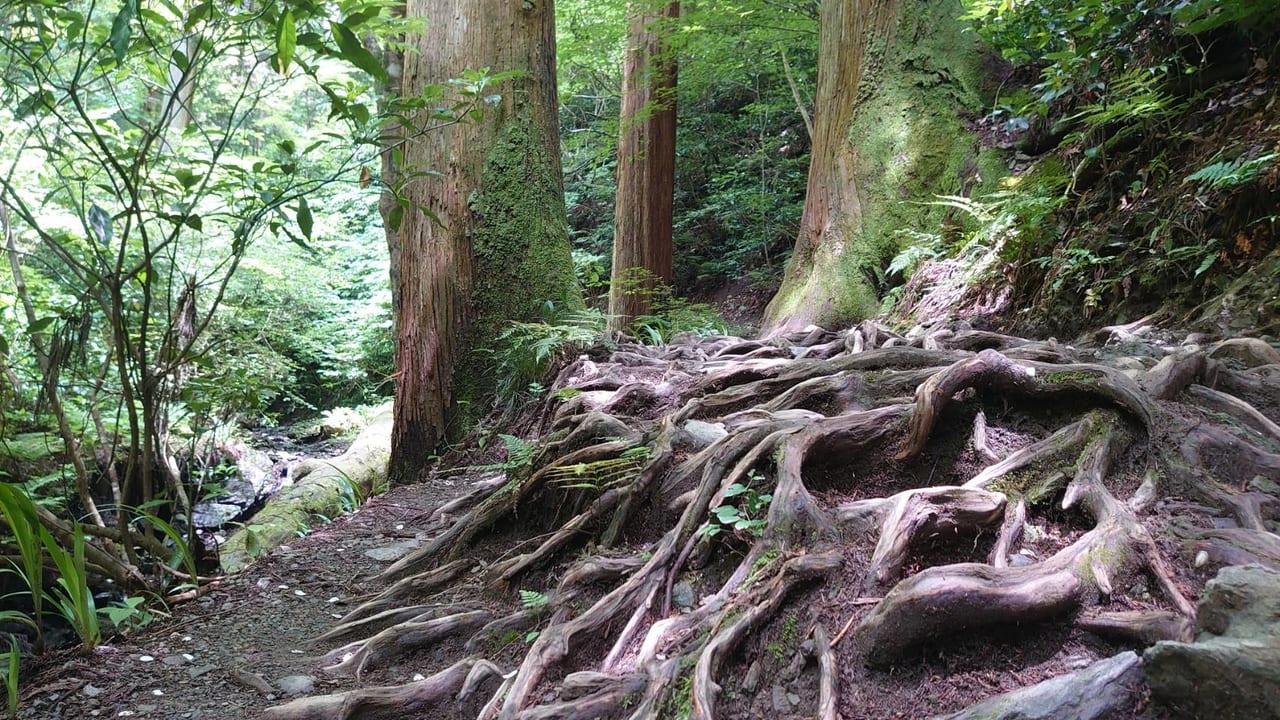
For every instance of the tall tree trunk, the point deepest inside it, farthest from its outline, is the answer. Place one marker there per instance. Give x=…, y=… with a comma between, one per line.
x=646, y=163
x=490, y=241
x=895, y=78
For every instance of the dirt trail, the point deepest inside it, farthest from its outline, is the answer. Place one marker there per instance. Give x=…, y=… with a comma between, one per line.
x=203, y=660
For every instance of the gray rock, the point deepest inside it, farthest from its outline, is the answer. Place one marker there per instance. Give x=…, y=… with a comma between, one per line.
x=296, y=684
x=698, y=434
x=1233, y=667
x=793, y=698
x=196, y=672
x=1020, y=560
x=91, y=691
x=174, y=660
x=1105, y=689
x=682, y=595
x=779, y=698
x=752, y=679
x=1264, y=485
x=391, y=553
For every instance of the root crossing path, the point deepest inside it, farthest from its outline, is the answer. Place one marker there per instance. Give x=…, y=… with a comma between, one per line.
x=833, y=525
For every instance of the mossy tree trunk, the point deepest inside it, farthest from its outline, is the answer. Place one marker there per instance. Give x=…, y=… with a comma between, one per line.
x=646, y=163
x=895, y=78
x=486, y=240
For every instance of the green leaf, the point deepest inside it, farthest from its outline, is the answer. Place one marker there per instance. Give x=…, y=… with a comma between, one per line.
x=4, y=347
x=36, y=100
x=40, y=325
x=194, y=222
x=286, y=41
x=353, y=51
x=395, y=217
x=197, y=13
x=727, y=514
x=120, y=29
x=305, y=221
x=1206, y=264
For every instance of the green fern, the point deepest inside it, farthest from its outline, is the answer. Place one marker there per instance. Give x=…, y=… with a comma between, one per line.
x=1232, y=173
x=532, y=600
x=525, y=352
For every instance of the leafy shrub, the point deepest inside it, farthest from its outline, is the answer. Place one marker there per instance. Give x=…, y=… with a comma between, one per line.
x=525, y=352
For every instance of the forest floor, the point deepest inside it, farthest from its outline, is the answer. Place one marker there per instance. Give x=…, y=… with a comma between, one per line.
x=1051, y=500
x=223, y=656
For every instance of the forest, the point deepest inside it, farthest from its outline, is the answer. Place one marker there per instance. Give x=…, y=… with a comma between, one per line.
x=848, y=359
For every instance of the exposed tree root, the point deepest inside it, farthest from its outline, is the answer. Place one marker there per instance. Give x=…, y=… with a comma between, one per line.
x=685, y=495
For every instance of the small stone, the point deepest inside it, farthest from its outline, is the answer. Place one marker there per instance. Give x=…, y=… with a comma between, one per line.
x=700, y=434
x=296, y=684
x=779, y=699
x=144, y=709
x=752, y=679
x=175, y=660
x=157, y=692
x=196, y=672
x=793, y=698
x=391, y=553
x=91, y=691
x=1224, y=523
x=300, y=593
x=1020, y=560
x=418, y=677
x=145, y=658
x=1264, y=485
x=682, y=595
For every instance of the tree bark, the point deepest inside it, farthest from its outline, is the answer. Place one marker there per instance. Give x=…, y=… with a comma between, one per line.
x=485, y=239
x=894, y=77
x=646, y=164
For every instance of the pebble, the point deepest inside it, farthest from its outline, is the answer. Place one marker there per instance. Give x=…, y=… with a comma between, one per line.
x=682, y=595
x=296, y=684
x=91, y=691
x=1020, y=560
x=196, y=672
x=752, y=679
x=175, y=660
x=145, y=658
x=779, y=698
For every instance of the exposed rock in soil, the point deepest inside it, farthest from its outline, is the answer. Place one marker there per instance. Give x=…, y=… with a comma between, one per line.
x=1233, y=667
x=1109, y=688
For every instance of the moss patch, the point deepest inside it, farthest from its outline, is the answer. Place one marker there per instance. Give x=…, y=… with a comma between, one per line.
x=911, y=143
x=520, y=248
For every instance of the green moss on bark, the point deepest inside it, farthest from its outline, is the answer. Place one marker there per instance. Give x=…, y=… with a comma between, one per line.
x=911, y=143
x=519, y=244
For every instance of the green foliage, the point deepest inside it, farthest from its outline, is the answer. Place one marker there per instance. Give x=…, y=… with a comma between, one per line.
x=742, y=146
x=71, y=596
x=1225, y=174
x=525, y=352
x=127, y=614
x=746, y=517
x=1197, y=17
x=668, y=314
x=533, y=600
x=24, y=526
x=12, y=670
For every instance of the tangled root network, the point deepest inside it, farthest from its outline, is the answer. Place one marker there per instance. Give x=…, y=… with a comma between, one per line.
x=826, y=513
